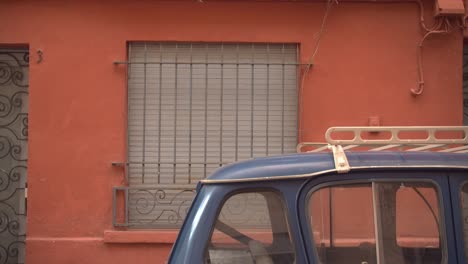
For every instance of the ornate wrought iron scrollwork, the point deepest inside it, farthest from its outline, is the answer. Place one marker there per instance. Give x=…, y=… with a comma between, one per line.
x=13, y=154
x=148, y=207
x=158, y=208
x=12, y=65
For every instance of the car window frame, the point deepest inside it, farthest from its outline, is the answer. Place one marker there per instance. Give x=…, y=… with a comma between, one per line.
x=438, y=178
x=457, y=180
x=286, y=215
x=462, y=218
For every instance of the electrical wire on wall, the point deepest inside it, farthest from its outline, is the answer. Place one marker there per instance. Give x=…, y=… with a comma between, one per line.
x=310, y=61
x=442, y=25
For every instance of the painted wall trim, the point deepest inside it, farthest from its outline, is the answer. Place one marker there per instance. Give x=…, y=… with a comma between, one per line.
x=141, y=236
x=66, y=239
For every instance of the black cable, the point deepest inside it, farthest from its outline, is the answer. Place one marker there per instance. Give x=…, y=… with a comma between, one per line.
x=431, y=209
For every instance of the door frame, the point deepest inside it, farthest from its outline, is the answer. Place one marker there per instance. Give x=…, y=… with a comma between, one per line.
x=456, y=181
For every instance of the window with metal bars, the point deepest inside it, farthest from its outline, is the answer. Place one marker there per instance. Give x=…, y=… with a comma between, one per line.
x=193, y=107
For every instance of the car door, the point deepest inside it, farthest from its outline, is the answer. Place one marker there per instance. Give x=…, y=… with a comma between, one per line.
x=378, y=217
x=459, y=195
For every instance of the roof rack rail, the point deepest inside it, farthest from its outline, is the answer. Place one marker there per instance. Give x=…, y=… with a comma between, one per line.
x=452, y=139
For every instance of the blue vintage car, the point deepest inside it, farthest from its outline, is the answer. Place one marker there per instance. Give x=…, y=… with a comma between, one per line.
x=366, y=206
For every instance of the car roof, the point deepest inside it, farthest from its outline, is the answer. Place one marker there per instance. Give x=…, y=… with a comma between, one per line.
x=309, y=164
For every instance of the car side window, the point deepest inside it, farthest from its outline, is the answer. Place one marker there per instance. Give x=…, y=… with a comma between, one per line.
x=251, y=228
x=379, y=222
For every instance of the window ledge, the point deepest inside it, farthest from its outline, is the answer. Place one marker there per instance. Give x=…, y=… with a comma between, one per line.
x=141, y=236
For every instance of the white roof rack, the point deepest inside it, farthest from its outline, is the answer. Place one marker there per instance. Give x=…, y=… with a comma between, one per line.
x=452, y=139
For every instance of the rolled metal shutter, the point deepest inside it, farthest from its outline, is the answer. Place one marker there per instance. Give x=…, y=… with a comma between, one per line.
x=195, y=107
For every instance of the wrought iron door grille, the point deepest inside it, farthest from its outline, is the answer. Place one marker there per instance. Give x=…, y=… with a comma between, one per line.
x=14, y=69
x=193, y=107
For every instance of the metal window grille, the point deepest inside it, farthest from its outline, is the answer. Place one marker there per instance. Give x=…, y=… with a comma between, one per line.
x=193, y=107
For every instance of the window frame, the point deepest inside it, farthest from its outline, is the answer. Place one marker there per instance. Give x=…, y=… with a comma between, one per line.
x=224, y=61
x=438, y=179
x=287, y=82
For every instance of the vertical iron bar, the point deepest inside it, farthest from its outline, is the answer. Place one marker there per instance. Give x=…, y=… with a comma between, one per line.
x=175, y=117
x=206, y=109
x=144, y=120
x=114, y=206
x=222, y=108
x=282, y=101
x=267, y=100
x=126, y=207
x=237, y=105
x=127, y=171
x=190, y=116
x=160, y=112
x=252, y=103
x=129, y=70
x=298, y=97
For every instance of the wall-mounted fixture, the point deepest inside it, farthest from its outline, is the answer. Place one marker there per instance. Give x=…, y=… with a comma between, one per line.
x=449, y=8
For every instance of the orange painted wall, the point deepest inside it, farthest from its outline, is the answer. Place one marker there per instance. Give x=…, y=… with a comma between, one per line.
x=365, y=67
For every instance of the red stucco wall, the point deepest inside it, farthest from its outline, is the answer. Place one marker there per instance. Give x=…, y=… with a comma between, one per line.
x=365, y=67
